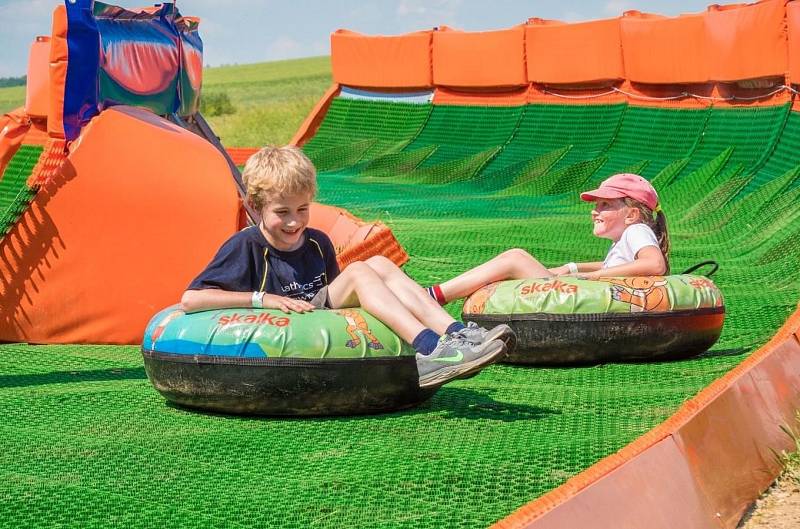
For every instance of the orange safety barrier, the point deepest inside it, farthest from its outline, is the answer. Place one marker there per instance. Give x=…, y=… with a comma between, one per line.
x=381, y=61
x=95, y=256
x=479, y=60
x=747, y=41
x=717, y=450
x=59, y=54
x=583, y=52
x=37, y=97
x=658, y=49
x=353, y=239
x=793, y=22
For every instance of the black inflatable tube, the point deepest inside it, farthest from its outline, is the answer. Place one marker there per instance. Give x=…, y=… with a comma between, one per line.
x=286, y=386
x=576, y=339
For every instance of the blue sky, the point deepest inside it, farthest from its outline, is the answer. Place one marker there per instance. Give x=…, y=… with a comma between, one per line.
x=246, y=31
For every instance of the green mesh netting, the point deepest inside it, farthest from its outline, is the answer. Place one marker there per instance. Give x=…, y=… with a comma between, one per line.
x=15, y=195
x=86, y=441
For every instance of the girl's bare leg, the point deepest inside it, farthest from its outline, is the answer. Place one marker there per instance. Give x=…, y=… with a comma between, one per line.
x=511, y=264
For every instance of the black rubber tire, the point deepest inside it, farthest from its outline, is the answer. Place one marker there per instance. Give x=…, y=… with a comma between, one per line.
x=286, y=386
x=580, y=339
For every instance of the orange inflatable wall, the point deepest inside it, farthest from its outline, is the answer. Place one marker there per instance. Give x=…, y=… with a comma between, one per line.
x=747, y=41
x=793, y=21
x=377, y=61
x=483, y=59
x=139, y=207
x=659, y=49
x=584, y=52
x=724, y=44
x=37, y=91
x=59, y=54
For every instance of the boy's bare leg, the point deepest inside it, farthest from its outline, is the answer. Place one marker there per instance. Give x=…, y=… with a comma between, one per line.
x=411, y=295
x=360, y=285
x=511, y=264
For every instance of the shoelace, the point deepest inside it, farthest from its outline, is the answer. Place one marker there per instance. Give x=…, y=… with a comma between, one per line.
x=471, y=326
x=457, y=340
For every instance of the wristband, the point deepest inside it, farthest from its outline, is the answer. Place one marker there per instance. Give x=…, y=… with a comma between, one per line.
x=257, y=300
x=572, y=267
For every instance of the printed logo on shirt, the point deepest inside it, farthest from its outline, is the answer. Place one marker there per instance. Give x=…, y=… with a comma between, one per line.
x=304, y=291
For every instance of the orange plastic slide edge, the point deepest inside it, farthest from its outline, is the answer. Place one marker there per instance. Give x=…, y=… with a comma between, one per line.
x=310, y=125
x=529, y=513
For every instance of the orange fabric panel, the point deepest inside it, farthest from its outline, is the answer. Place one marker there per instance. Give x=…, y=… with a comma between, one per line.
x=481, y=59
x=747, y=41
x=658, y=49
x=59, y=54
x=381, y=61
x=137, y=210
x=583, y=52
x=37, y=97
x=793, y=21
x=450, y=96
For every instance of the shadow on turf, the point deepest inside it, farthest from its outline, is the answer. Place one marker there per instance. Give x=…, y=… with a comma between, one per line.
x=448, y=403
x=71, y=377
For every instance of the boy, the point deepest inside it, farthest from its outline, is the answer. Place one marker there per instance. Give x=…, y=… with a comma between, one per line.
x=282, y=264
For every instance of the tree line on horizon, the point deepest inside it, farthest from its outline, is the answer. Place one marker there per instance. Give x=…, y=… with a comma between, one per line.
x=13, y=81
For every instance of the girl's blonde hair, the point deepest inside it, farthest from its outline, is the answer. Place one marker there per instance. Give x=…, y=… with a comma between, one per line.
x=278, y=171
x=657, y=222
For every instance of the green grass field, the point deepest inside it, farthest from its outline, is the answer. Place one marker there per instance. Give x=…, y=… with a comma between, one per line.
x=271, y=99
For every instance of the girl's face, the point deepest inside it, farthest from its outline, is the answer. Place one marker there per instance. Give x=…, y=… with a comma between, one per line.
x=284, y=219
x=611, y=216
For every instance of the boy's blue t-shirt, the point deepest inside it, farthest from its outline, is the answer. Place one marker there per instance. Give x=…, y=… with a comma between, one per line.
x=248, y=263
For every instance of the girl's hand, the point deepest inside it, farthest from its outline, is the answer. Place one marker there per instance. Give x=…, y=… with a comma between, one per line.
x=271, y=301
x=562, y=270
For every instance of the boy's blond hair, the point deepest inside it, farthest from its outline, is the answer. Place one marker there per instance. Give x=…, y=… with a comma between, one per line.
x=273, y=172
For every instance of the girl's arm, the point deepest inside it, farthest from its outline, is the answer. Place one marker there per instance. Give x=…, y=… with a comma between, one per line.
x=213, y=298
x=649, y=262
x=582, y=267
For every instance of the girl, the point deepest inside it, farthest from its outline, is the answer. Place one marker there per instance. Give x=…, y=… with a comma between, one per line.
x=626, y=211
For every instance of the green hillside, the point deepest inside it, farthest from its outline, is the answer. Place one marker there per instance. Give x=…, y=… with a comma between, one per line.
x=270, y=99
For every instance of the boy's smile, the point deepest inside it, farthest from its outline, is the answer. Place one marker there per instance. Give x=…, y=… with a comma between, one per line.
x=284, y=219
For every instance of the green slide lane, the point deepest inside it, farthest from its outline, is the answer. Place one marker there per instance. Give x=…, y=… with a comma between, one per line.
x=84, y=437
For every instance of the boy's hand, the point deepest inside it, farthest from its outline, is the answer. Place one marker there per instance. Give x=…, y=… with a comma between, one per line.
x=271, y=301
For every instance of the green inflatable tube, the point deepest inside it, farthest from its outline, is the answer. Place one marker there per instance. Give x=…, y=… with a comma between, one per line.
x=565, y=320
x=266, y=362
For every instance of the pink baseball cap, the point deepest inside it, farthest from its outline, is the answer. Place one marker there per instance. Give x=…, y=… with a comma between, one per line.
x=624, y=185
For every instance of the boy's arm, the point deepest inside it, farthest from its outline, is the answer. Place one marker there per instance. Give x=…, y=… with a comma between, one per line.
x=214, y=298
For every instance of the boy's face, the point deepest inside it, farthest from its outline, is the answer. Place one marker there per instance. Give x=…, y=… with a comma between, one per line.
x=283, y=220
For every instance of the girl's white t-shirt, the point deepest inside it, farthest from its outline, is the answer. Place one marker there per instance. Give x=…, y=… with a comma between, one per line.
x=634, y=238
